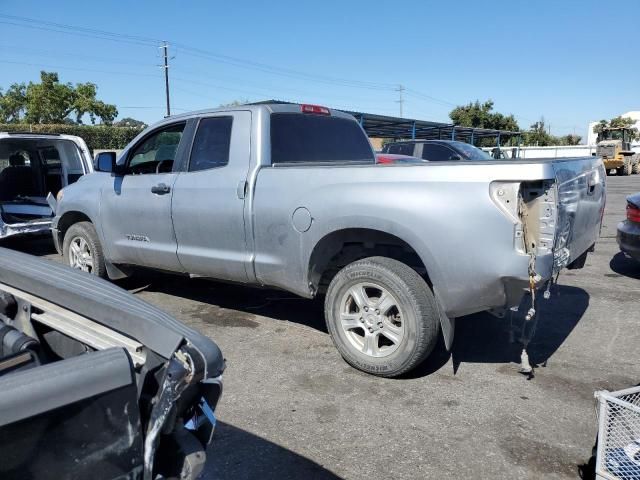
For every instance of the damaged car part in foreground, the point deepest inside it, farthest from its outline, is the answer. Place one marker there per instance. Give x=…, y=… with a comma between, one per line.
x=97, y=383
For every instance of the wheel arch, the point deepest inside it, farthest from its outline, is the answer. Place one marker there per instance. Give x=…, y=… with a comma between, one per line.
x=340, y=247
x=72, y=217
x=64, y=223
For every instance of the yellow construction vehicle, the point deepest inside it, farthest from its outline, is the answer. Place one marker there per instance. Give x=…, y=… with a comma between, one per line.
x=614, y=146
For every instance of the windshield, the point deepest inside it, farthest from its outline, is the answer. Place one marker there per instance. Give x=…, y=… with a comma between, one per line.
x=469, y=152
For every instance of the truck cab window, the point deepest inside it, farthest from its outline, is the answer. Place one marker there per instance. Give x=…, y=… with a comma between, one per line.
x=401, y=149
x=301, y=138
x=157, y=152
x=211, y=144
x=437, y=153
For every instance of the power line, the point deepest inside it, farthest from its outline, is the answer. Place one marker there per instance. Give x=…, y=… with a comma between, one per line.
x=40, y=65
x=77, y=30
x=199, y=53
x=68, y=29
x=423, y=96
x=147, y=41
x=75, y=55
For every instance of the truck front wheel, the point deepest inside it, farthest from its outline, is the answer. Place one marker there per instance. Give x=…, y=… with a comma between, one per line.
x=626, y=168
x=82, y=250
x=382, y=316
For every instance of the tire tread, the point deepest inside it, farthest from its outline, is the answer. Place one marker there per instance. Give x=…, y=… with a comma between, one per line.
x=417, y=289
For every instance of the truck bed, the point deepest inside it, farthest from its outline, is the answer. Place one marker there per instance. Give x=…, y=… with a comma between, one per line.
x=470, y=245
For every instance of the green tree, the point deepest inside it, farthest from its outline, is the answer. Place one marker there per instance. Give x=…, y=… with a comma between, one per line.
x=12, y=103
x=481, y=115
x=617, y=122
x=570, y=140
x=53, y=102
x=538, y=135
x=130, y=122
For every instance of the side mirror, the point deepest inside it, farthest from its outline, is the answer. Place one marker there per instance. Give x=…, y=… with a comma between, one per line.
x=105, y=162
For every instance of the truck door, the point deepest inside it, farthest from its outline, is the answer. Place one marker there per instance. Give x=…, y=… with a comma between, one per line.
x=208, y=199
x=136, y=206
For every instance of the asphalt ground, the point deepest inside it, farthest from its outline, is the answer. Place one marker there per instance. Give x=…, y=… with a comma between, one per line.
x=292, y=408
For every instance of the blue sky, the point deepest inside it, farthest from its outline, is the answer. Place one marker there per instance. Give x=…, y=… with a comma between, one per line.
x=536, y=58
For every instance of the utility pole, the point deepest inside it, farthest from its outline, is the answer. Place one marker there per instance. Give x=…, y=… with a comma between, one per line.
x=400, y=89
x=165, y=47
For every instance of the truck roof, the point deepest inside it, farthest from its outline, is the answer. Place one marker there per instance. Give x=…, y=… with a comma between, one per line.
x=268, y=107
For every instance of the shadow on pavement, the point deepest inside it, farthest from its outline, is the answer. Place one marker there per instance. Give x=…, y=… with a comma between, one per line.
x=274, y=304
x=38, y=245
x=623, y=265
x=479, y=338
x=483, y=338
x=237, y=454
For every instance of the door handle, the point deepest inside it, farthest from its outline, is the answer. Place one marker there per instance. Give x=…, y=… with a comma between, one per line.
x=161, y=189
x=241, y=189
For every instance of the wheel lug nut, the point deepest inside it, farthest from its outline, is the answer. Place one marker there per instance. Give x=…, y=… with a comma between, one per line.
x=370, y=330
x=366, y=309
x=362, y=319
x=377, y=312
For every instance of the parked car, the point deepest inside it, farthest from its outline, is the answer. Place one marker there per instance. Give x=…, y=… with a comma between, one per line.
x=391, y=159
x=32, y=166
x=290, y=196
x=96, y=383
x=437, y=150
x=628, y=236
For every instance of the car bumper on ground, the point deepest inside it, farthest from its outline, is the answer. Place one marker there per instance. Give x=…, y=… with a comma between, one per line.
x=628, y=238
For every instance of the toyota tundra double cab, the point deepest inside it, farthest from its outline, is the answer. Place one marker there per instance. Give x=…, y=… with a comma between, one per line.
x=291, y=197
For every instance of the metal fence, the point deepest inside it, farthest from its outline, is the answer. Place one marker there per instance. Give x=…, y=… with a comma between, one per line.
x=618, y=456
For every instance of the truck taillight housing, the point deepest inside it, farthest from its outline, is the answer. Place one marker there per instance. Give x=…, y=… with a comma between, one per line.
x=633, y=213
x=317, y=109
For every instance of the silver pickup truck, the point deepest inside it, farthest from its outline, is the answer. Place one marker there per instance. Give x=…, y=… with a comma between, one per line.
x=290, y=196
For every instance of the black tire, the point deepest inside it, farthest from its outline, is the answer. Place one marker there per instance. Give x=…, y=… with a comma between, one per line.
x=619, y=171
x=416, y=304
x=87, y=232
x=626, y=168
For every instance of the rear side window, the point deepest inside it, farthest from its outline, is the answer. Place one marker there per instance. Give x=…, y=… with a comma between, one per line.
x=211, y=144
x=401, y=149
x=437, y=153
x=307, y=138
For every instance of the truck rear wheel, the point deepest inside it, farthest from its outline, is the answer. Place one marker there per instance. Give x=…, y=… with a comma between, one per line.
x=382, y=316
x=636, y=167
x=82, y=250
x=626, y=168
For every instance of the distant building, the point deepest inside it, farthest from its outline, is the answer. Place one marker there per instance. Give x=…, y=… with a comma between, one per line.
x=592, y=137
